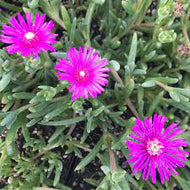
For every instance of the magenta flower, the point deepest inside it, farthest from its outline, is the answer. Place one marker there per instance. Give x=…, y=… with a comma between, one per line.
x=26, y=37
x=85, y=70
x=154, y=147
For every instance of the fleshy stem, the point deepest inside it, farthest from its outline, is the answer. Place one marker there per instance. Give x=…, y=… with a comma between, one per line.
x=172, y=185
x=44, y=151
x=73, y=126
x=46, y=188
x=111, y=155
x=127, y=101
x=150, y=185
x=184, y=27
x=56, y=145
x=165, y=87
x=79, y=146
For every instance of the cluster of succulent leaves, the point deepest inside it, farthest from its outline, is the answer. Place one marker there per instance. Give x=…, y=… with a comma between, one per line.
x=42, y=128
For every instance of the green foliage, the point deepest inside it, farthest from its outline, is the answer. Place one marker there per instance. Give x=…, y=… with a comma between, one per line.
x=49, y=138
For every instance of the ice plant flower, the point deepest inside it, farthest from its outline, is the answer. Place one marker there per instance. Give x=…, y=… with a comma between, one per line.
x=178, y=9
x=85, y=70
x=154, y=147
x=27, y=37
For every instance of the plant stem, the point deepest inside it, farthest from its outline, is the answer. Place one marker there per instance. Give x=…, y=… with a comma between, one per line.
x=44, y=151
x=56, y=145
x=23, y=108
x=132, y=107
x=127, y=101
x=150, y=185
x=184, y=27
x=16, y=105
x=148, y=25
x=165, y=87
x=79, y=146
x=116, y=77
x=73, y=126
x=172, y=185
x=46, y=188
x=111, y=155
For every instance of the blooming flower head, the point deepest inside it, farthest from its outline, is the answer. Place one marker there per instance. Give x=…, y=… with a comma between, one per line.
x=183, y=50
x=178, y=9
x=85, y=70
x=27, y=37
x=154, y=147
